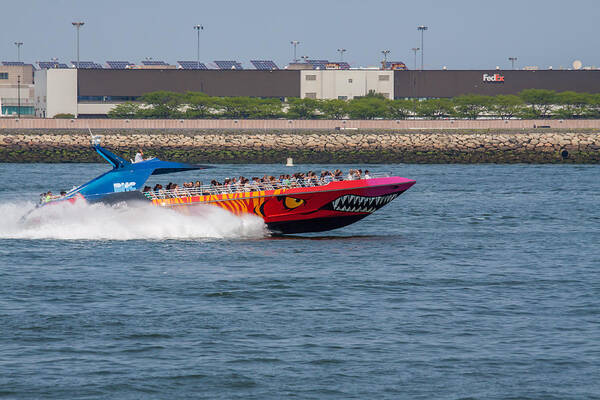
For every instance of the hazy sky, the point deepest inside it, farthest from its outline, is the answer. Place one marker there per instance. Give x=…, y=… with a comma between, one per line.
x=463, y=34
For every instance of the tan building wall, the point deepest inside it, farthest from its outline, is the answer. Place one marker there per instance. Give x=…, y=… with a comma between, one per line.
x=10, y=88
x=345, y=84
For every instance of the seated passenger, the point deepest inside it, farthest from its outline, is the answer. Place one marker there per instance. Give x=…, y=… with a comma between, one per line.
x=139, y=156
x=367, y=175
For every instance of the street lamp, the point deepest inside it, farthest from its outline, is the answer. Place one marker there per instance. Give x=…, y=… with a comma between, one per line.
x=305, y=58
x=295, y=43
x=77, y=25
x=341, y=51
x=385, y=53
x=19, y=44
x=198, y=28
x=512, y=60
x=422, y=28
x=415, y=50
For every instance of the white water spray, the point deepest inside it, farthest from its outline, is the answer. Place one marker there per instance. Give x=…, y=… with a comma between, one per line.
x=123, y=222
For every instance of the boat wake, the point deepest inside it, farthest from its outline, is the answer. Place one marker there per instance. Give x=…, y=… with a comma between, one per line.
x=82, y=221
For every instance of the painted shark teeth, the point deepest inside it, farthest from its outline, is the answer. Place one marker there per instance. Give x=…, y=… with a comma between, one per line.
x=361, y=204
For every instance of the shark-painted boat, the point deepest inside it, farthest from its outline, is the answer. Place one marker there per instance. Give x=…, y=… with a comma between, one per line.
x=290, y=207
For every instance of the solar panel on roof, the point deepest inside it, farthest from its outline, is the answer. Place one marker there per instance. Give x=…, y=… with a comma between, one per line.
x=191, y=65
x=87, y=65
x=264, y=64
x=51, y=64
x=318, y=64
x=118, y=64
x=229, y=65
x=12, y=63
x=152, y=62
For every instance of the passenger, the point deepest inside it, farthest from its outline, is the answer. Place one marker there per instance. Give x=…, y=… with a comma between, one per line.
x=139, y=156
x=63, y=193
x=367, y=175
x=358, y=173
x=146, y=189
x=350, y=176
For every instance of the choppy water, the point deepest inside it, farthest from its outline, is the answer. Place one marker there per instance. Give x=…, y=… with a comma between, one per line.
x=481, y=281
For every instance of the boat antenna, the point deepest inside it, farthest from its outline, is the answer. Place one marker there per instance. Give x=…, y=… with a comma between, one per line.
x=96, y=139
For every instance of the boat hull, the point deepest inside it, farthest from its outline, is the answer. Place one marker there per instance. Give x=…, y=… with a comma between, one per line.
x=303, y=209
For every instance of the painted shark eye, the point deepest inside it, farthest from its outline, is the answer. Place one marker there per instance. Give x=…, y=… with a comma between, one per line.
x=290, y=203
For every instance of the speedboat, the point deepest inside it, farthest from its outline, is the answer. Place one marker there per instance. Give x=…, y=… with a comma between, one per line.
x=299, y=206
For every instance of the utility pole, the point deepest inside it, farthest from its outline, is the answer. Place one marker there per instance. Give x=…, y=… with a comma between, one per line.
x=198, y=28
x=422, y=28
x=19, y=96
x=77, y=25
x=295, y=43
x=415, y=50
x=341, y=51
x=512, y=60
x=18, y=44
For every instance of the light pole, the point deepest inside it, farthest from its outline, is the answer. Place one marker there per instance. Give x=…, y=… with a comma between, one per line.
x=305, y=58
x=512, y=60
x=415, y=50
x=77, y=25
x=385, y=53
x=341, y=51
x=422, y=28
x=295, y=43
x=19, y=44
x=19, y=96
x=198, y=28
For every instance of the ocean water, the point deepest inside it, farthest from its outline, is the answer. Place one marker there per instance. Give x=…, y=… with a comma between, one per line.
x=480, y=282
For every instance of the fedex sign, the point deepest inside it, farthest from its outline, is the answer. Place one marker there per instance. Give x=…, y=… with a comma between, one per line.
x=493, y=78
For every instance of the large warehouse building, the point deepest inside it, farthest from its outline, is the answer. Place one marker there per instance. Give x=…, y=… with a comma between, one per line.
x=91, y=93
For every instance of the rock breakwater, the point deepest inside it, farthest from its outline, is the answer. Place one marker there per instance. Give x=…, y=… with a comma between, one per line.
x=313, y=146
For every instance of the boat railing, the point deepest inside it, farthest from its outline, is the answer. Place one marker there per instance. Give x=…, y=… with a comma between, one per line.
x=251, y=186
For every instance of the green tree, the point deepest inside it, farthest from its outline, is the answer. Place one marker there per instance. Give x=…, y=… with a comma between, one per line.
x=376, y=95
x=368, y=107
x=593, y=109
x=162, y=104
x=302, y=108
x=198, y=105
x=471, y=106
x=401, y=109
x=435, y=108
x=540, y=102
x=333, y=109
x=573, y=104
x=506, y=106
x=125, y=110
x=266, y=109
